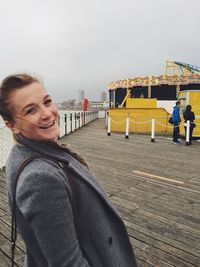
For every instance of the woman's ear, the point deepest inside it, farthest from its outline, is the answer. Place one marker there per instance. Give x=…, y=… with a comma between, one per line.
x=11, y=126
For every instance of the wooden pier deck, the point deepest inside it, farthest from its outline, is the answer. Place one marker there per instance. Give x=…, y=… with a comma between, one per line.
x=154, y=186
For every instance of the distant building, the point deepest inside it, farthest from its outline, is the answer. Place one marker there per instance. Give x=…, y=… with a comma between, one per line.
x=81, y=95
x=67, y=104
x=97, y=105
x=103, y=96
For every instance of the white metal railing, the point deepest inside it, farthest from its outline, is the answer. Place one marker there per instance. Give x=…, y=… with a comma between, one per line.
x=153, y=121
x=69, y=121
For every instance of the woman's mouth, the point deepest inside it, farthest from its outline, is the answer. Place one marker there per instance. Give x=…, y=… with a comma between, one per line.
x=47, y=125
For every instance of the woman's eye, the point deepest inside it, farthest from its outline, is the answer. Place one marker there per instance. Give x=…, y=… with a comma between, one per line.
x=31, y=110
x=48, y=102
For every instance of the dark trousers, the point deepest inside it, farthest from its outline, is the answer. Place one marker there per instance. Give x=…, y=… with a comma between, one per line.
x=191, y=131
x=176, y=132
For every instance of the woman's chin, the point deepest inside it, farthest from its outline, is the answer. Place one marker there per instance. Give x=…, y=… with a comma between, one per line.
x=51, y=136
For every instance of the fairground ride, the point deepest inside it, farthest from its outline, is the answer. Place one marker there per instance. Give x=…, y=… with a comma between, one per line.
x=154, y=96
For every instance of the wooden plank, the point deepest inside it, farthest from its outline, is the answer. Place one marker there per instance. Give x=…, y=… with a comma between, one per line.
x=3, y=184
x=135, y=227
x=160, y=178
x=163, y=255
x=149, y=241
x=6, y=249
x=156, y=207
x=151, y=259
x=4, y=260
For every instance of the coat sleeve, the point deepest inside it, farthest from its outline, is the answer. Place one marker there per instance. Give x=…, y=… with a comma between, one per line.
x=185, y=116
x=193, y=116
x=176, y=115
x=44, y=201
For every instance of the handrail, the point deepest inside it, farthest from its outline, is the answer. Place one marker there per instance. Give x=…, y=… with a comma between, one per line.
x=69, y=121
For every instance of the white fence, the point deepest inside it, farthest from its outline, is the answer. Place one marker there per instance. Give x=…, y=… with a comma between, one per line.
x=69, y=121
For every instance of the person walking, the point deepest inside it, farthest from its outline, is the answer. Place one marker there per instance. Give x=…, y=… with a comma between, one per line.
x=176, y=121
x=188, y=115
x=62, y=212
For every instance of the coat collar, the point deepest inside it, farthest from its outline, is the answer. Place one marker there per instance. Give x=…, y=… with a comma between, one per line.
x=58, y=152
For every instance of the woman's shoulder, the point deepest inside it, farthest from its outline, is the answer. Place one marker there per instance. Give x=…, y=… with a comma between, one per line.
x=42, y=167
x=41, y=176
x=34, y=169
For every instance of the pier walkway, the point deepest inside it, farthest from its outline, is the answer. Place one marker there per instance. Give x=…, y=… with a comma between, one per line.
x=154, y=186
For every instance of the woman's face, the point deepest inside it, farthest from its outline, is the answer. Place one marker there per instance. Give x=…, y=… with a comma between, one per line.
x=35, y=115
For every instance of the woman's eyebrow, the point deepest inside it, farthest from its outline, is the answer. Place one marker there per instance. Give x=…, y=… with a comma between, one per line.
x=47, y=96
x=27, y=106
x=32, y=104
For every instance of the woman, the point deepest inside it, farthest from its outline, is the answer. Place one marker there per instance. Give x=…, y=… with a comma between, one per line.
x=188, y=115
x=63, y=215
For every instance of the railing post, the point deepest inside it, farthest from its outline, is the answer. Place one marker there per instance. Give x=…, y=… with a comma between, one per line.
x=71, y=122
x=65, y=123
x=84, y=118
x=75, y=120
x=109, y=126
x=79, y=120
x=106, y=118
x=153, y=131
x=86, y=122
x=187, y=133
x=127, y=128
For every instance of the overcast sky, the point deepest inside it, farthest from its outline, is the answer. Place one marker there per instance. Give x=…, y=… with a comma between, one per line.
x=85, y=44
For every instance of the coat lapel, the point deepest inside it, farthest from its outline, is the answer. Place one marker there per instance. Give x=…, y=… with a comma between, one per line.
x=84, y=174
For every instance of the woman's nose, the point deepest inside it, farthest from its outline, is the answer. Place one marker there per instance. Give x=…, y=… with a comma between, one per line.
x=45, y=113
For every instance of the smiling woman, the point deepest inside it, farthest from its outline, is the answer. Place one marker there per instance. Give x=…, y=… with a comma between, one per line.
x=62, y=213
x=36, y=116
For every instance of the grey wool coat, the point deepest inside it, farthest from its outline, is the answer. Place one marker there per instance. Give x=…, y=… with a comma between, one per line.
x=64, y=216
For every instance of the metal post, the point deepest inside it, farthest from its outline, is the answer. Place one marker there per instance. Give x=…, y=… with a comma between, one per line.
x=71, y=122
x=84, y=119
x=109, y=126
x=187, y=133
x=127, y=128
x=75, y=120
x=65, y=124
x=107, y=118
x=79, y=120
x=82, y=122
x=153, y=130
